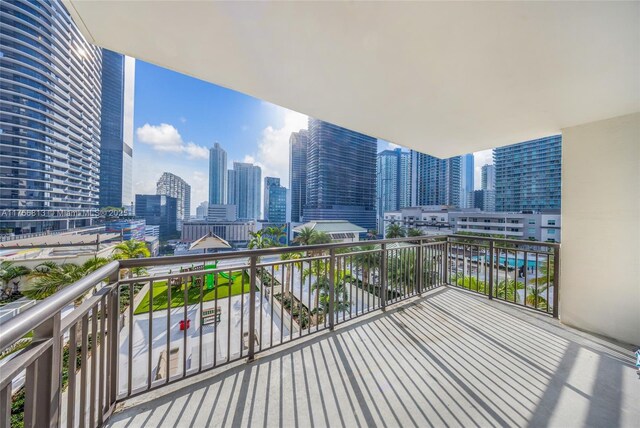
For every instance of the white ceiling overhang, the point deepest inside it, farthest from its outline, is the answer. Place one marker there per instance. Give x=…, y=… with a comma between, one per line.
x=445, y=78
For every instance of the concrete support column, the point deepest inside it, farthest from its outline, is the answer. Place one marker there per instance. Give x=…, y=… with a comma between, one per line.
x=600, y=269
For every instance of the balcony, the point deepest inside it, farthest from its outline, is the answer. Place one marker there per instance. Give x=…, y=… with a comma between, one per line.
x=412, y=331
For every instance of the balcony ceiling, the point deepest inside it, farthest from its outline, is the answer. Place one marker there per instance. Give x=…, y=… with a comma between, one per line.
x=443, y=78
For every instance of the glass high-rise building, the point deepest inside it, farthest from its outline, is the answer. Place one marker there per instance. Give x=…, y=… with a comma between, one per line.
x=467, y=179
x=388, y=180
x=298, y=172
x=116, y=130
x=436, y=181
x=50, y=99
x=275, y=201
x=174, y=186
x=217, y=175
x=244, y=182
x=405, y=179
x=528, y=175
x=159, y=210
x=341, y=171
x=488, y=177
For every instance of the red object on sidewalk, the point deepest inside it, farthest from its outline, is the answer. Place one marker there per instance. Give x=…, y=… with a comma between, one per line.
x=182, y=324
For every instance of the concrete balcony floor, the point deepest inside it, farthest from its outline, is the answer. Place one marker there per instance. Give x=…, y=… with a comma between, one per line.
x=449, y=358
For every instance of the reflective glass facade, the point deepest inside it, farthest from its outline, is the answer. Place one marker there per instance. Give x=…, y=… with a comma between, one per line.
x=158, y=210
x=341, y=171
x=116, y=131
x=217, y=175
x=528, y=175
x=174, y=186
x=244, y=190
x=275, y=201
x=298, y=172
x=437, y=181
x=50, y=96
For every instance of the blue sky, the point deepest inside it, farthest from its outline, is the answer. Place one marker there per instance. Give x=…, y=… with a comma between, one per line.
x=177, y=118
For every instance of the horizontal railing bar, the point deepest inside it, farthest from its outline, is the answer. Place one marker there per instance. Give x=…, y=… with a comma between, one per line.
x=506, y=241
x=171, y=260
x=291, y=261
x=203, y=272
x=26, y=321
x=21, y=361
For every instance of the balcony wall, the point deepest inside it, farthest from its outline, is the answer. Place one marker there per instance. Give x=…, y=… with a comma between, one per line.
x=600, y=267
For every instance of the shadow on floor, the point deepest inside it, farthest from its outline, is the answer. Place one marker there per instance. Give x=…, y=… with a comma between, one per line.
x=449, y=358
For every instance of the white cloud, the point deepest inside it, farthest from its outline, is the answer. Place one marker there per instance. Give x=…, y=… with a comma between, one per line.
x=273, y=147
x=480, y=159
x=166, y=138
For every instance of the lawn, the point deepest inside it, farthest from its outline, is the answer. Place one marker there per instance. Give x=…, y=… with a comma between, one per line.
x=160, y=294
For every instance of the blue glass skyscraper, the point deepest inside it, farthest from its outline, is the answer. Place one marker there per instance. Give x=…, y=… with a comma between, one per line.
x=50, y=99
x=341, y=175
x=218, y=176
x=528, y=175
x=275, y=201
x=116, y=130
x=298, y=172
x=159, y=210
x=436, y=181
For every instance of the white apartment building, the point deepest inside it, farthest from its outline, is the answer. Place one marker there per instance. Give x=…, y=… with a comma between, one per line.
x=533, y=226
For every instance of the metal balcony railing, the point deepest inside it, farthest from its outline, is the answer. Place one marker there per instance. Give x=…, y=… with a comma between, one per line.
x=188, y=314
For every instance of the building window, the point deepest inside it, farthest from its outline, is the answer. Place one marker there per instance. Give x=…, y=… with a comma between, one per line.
x=532, y=221
x=551, y=222
x=551, y=231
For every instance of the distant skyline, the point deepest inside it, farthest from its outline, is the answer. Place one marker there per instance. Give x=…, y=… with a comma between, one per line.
x=178, y=118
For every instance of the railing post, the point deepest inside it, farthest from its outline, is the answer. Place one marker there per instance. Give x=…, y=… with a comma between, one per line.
x=445, y=261
x=383, y=278
x=419, y=267
x=332, y=290
x=252, y=308
x=113, y=333
x=556, y=282
x=491, y=261
x=43, y=383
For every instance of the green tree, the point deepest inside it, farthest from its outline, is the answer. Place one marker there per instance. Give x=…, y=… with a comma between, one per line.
x=320, y=238
x=289, y=269
x=49, y=278
x=414, y=232
x=275, y=233
x=8, y=273
x=395, y=231
x=131, y=249
x=304, y=236
x=369, y=261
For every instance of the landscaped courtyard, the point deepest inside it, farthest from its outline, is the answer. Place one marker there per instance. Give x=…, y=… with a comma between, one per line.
x=238, y=283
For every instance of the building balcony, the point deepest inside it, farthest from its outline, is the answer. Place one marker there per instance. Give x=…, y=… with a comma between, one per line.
x=414, y=331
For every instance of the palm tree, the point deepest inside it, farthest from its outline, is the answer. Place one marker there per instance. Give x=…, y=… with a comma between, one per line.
x=539, y=285
x=259, y=240
x=8, y=273
x=372, y=234
x=317, y=269
x=414, y=232
x=289, y=269
x=131, y=249
x=320, y=238
x=304, y=236
x=51, y=278
x=400, y=269
x=369, y=260
x=395, y=231
x=275, y=233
